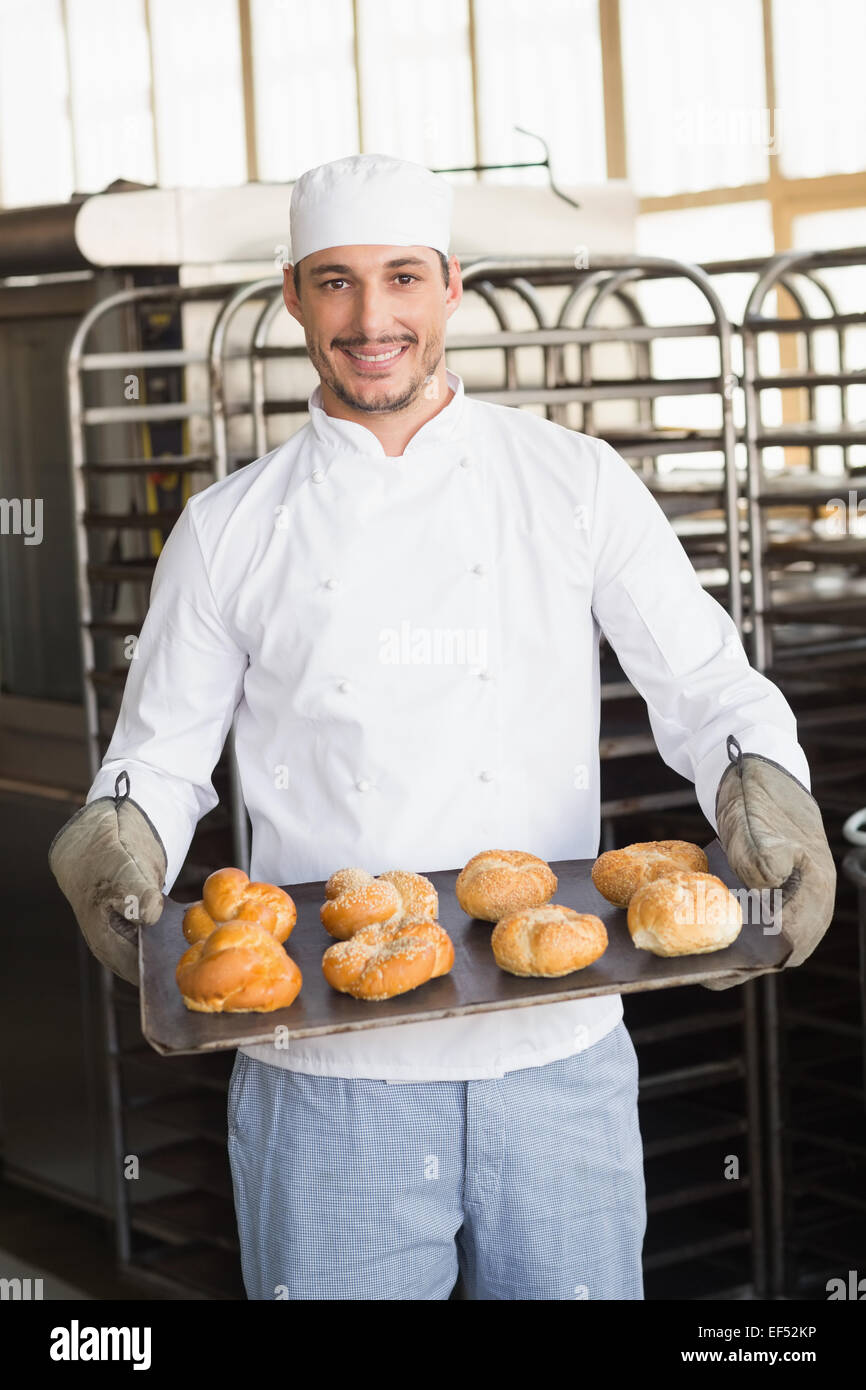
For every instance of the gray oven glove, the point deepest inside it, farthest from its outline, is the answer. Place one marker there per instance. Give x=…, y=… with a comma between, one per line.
x=771, y=830
x=110, y=863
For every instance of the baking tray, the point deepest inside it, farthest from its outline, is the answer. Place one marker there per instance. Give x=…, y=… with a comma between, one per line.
x=475, y=983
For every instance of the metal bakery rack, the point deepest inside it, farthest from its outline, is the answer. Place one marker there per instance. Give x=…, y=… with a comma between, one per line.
x=223, y=377
x=807, y=543
x=138, y=451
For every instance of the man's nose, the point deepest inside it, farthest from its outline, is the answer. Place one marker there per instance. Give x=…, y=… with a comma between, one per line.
x=373, y=319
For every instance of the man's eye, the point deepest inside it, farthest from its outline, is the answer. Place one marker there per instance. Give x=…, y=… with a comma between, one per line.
x=404, y=275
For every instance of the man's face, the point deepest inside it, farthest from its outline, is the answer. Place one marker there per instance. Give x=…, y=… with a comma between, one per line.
x=384, y=302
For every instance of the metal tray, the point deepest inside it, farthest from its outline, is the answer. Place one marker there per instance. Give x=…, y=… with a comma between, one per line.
x=475, y=983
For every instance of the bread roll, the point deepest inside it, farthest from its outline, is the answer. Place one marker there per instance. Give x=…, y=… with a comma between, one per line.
x=360, y=904
x=418, y=895
x=380, y=962
x=346, y=881
x=239, y=968
x=548, y=941
x=684, y=914
x=498, y=881
x=355, y=899
x=197, y=922
x=618, y=873
x=228, y=896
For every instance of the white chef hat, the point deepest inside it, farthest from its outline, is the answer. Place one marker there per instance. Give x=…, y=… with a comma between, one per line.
x=370, y=199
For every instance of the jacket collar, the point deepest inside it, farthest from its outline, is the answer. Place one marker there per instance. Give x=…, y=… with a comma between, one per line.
x=349, y=435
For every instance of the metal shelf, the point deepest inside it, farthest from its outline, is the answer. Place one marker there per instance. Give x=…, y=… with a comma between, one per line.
x=188, y=1217
x=668, y=1126
x=200, y=1114
x=196, y=1163
x=691, y=1235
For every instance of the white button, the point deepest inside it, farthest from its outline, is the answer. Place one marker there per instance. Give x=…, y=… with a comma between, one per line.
x=486, y=776
x=317, y=475
x=485, y=675
x=363, y=785
x=344, y=686
x=479, y=569
x=331, y=583
x=465, y=462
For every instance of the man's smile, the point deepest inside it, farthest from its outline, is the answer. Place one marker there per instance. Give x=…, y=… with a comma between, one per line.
x=375, y=362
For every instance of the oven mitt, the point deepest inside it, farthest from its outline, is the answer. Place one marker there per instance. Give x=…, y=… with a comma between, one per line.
x=110, y=863
x=771, y=830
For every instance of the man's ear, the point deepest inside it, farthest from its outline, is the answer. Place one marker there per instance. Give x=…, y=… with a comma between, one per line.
x=454, y=292
x=290, y=298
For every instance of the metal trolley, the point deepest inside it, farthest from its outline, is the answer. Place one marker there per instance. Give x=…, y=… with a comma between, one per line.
x=136, y=453
x=808, y=604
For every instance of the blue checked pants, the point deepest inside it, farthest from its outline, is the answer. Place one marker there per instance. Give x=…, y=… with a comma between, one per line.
x=529, y=1186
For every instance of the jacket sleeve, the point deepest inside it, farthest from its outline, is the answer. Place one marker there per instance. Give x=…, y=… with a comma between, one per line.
x=184, y=684
x=678, y=646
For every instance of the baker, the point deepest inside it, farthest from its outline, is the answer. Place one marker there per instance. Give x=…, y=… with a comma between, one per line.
x=379, y=1164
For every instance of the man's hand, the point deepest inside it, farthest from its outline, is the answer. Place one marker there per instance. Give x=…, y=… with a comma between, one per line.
x=110, y=863
x=771, y=830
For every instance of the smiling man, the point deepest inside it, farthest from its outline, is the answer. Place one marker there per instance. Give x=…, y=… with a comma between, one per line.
x=372, y=330
x=378, y=1164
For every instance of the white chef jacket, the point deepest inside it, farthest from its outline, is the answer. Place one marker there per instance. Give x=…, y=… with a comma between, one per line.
x=411, y=647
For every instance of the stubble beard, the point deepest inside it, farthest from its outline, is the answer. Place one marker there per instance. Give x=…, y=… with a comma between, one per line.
x=384, y=401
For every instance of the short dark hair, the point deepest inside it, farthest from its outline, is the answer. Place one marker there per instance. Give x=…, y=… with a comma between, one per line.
x=443, y=261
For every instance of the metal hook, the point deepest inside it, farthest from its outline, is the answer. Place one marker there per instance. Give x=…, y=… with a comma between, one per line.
x=522, y=164
x=546, y=164
x=735, y=757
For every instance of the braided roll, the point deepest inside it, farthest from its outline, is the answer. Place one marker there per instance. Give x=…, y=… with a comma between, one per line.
x=355, y=899
x=239, y=967
x=379, y=962
x=229, y=896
